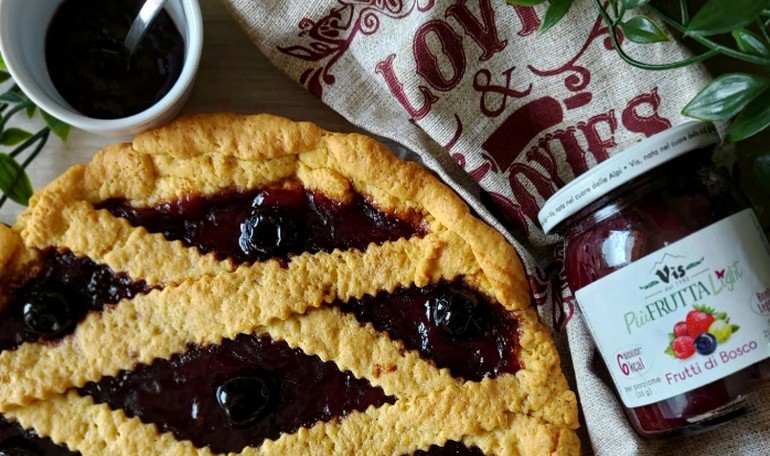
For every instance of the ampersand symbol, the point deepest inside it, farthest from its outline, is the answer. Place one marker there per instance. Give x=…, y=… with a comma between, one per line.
x=482, y=82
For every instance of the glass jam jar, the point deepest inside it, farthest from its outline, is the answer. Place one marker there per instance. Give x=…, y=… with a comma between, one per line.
x=671, y=273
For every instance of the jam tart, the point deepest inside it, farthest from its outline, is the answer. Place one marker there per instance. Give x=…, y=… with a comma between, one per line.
x=233, y=284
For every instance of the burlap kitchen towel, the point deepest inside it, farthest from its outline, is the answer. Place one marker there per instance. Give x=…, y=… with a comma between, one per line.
x=506, y=117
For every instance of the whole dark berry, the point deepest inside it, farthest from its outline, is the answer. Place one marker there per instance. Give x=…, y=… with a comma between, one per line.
x=457, y=313
x=267, y=232
x=47, y=314
x=705, y=343
x=17, y=451
x=245, y=399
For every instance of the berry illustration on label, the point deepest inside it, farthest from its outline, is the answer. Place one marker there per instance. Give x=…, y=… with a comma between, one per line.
x=682, y=347
x=701, y=331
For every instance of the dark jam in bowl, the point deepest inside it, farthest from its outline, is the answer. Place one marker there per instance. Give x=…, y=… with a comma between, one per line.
x=644, y=215
x=91, y=68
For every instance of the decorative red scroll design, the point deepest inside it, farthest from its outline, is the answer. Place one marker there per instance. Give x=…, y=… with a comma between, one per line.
x=579, y=76
x=331, y=36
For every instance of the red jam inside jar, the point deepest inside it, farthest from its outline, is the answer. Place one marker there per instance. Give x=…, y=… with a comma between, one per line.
x=634, y=229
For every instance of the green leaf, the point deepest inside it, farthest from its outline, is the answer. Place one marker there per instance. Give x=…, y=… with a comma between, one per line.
x=670, y=351
x=59, y=128
x=722, y=16
x=2, y=63
x=725, y=96
x=735, y=328
x=762, y=170
x=11, y=96
x=631, y=4
x=704, y=308
x=553, y=15
x=750, y=43
x=13, y=136
x=14, y=181
x=642, y=29
x=754, y=118
x=4, y=76
x=524, y=2
x=31, y=110
x=671, y=337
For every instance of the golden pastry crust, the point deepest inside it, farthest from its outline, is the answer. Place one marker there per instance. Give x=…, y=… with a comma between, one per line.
x=204, y=299
x=9, y=245
x=396, y=429
x=204, y=311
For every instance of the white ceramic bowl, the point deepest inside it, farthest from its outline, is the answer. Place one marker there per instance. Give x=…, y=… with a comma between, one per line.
x=23, y=25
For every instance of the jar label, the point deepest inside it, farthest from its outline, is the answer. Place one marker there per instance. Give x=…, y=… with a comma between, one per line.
x=686, y=315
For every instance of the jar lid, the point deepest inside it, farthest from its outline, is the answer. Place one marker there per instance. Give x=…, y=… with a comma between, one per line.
x=623, y=167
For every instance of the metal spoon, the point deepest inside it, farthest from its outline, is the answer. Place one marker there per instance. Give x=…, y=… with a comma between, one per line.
x=146, y=15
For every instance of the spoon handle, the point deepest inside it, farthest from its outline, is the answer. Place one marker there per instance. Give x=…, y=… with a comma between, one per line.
x=146, y=15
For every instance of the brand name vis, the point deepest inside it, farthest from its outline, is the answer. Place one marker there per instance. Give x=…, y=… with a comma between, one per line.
x=667, y=273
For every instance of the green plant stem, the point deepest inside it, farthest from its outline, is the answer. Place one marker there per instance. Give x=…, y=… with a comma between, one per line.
x=21, y=147
x=42, y=137
x=713, y=46
x=724, y=50
x=44, y=134
x=615, y=10
x=646, y=66
x=14, y=110
x=684, y=12
x=763, y=28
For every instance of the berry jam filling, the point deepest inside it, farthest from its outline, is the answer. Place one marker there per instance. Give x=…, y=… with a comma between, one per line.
x=51, y=304
x=237, y=394
x=451, y=448
x=269, y=223
x=449, y=324
x=16, y=441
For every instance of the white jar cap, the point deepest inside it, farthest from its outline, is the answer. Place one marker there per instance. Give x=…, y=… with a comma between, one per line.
x=623, y=167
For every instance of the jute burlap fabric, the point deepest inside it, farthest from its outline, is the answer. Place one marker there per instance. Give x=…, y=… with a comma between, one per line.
x=506, y=117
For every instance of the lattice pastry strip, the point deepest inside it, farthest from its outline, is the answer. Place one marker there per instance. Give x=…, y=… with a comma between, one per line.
x=114, y=242
x=413, y=378
x=344, y=162
x=95, y=429
x=332, y=335
x=203, y=312
x=77, y=422
x=190, y=298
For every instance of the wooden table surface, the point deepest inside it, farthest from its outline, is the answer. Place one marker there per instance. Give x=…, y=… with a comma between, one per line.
x=233, y=76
